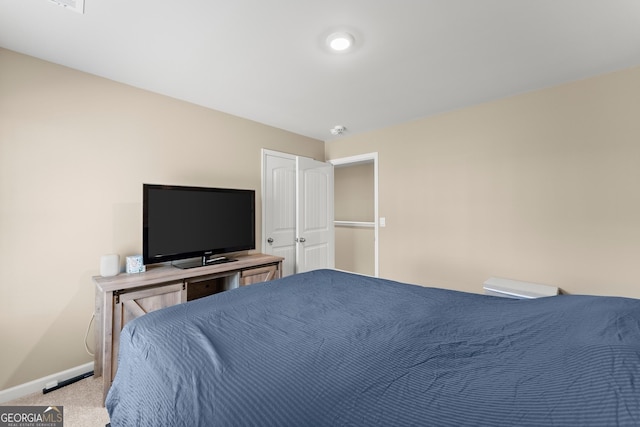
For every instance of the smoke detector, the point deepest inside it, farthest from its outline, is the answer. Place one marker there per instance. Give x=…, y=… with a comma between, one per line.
x=75, y=5
x=338, y=130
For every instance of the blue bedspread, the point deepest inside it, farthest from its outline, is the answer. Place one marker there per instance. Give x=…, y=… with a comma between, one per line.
x=328, y=348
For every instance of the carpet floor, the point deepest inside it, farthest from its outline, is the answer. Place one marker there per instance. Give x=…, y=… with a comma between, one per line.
x=82, y=402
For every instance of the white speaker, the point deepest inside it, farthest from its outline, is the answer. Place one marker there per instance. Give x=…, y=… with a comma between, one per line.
x=109, y=265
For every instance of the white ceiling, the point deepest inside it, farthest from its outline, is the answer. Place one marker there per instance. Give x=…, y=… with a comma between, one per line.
x=266, y=60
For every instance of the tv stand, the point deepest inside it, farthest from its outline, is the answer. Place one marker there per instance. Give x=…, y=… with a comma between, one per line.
x=122, y=298
x=201, y=262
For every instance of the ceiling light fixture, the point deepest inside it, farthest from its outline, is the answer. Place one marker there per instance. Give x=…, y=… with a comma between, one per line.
x=340, y=42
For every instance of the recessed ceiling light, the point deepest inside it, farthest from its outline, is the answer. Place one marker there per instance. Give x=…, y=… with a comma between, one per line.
x=340, y=42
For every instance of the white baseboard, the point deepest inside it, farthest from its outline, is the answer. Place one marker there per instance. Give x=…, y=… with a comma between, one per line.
x=34, y=386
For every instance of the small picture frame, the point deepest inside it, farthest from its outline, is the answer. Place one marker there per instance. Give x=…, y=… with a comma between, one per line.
x=135, y=264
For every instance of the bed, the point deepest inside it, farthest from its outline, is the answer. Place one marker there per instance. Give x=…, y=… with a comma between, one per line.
x=328, y=348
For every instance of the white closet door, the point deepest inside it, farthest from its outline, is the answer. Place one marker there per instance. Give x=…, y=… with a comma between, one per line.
x=279, y=208
x=297, y=211
x=315, y=233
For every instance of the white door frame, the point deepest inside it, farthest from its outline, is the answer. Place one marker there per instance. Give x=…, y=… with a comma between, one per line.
x=366, y=158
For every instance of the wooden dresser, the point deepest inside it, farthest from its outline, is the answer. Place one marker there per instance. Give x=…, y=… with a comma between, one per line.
x=122, y=298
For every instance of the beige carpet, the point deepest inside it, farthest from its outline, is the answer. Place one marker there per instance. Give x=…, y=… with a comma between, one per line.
x=82, y=402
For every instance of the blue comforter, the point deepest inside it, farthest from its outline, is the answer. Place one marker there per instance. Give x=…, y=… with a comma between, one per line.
x=328, y=348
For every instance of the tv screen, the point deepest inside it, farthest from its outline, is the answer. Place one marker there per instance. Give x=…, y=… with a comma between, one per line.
x=182, y=222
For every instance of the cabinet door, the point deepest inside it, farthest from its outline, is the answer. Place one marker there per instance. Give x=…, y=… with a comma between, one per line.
x=260, y=274
x=130, y=305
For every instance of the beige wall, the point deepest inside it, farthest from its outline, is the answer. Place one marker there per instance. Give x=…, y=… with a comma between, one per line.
x=543, y=187
x=355, y=250
x=74, y=152
x=354, y=192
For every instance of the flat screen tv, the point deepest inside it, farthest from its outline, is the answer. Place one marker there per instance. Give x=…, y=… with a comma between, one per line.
x=183, y=223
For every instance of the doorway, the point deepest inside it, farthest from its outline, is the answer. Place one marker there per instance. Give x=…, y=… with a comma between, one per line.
x=356, y=213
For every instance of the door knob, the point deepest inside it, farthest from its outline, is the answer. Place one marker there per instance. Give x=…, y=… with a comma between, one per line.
x=301, y=240
x=270, y=241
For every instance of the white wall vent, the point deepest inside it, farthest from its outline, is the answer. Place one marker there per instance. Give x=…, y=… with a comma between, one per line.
x=517, y=289
x=75, y=5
